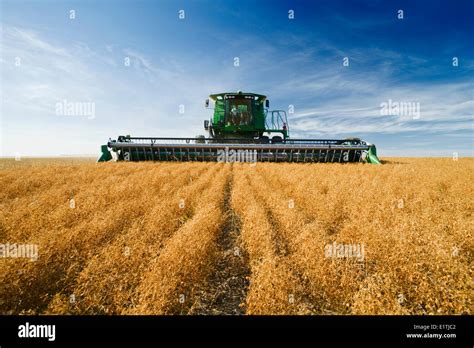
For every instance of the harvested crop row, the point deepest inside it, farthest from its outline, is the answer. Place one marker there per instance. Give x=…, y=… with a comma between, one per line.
x=273, y=288
x=108, y=283
x=187, y=257
x=63, y=252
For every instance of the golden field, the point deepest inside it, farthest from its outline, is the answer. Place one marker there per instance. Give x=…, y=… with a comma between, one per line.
x=214, y=238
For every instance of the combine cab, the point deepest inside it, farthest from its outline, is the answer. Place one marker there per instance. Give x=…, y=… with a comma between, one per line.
x=242, y=129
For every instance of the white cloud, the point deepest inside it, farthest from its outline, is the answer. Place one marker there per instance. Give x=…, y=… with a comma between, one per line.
x=143, y=99
x=443, y=107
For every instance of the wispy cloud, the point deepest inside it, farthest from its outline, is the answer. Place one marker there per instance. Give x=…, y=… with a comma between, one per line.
x=297, y=63
x=443, y=107
x=143, y=97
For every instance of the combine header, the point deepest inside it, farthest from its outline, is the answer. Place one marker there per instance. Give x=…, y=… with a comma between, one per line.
x=242, y=129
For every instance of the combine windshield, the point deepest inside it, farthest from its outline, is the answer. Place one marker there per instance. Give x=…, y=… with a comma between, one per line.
x=239, y=112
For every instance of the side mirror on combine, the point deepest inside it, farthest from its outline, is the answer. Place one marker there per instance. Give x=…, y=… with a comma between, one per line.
x=207, y=103
x=267, y=103
x=206, y=124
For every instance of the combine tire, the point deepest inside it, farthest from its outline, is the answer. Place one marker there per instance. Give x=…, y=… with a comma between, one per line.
x=276, y=140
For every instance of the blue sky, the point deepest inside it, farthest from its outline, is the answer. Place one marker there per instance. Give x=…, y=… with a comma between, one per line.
x=48, y=58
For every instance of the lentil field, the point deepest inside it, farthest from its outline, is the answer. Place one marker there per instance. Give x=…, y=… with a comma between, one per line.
x=236, y=238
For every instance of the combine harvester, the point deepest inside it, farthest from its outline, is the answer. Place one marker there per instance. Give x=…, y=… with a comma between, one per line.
x=242, y=129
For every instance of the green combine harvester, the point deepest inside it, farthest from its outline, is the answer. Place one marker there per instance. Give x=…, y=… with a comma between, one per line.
x=242, y=129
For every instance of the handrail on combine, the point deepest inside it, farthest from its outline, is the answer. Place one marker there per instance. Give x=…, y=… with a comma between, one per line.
x=278, y=119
